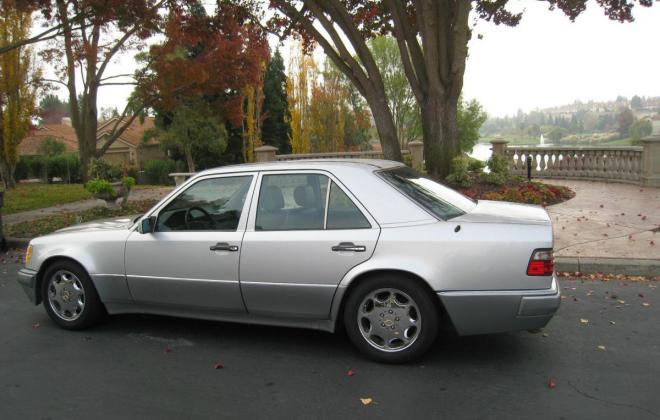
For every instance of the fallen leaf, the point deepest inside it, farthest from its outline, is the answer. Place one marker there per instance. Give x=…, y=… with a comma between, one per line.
x=640, y=295
x=643, y=217
x=601, y=206
x=646, y=304
x=168, y=349
x=350, y=373
x=584, y=321
x=218, y=366
x=652, y=243
x=366, y=401
x=35, y=325
x=612, y=323
x=551, y=383
x=544, y=335
x=601, y=348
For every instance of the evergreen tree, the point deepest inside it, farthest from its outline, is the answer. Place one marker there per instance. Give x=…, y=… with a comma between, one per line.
x=276, y=127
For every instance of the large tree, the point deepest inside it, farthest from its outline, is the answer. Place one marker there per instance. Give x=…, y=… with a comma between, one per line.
x=432, y=36
x=224, y=56
x=276, y=127
x=17, y=88
x=86, y=36
x=52, y=109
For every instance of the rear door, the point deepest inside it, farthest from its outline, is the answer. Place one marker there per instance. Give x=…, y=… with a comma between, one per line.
x=305, y=232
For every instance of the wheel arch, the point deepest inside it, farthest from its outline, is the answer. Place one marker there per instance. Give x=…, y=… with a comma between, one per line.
x=44, y=267
x=346, y=288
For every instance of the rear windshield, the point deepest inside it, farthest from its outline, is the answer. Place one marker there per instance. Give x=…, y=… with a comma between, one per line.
x=441, y=201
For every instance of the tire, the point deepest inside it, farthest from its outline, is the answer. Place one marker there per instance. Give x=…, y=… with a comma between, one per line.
x=69, y=296
x=391, y=318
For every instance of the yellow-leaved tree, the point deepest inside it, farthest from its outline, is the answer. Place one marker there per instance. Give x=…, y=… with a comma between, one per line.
x=18, y=84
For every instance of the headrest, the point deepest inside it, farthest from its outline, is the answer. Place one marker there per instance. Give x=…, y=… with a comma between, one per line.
x=304, y=196
x=272, y=198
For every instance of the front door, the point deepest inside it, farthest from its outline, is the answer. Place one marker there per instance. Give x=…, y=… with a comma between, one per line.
x=304, y=234
x=191, y=259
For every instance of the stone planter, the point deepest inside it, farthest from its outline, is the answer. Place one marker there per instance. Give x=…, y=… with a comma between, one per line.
x=112, y=201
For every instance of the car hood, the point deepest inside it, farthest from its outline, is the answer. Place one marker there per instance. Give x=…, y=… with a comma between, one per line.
x=103, y=224
x=502, y=212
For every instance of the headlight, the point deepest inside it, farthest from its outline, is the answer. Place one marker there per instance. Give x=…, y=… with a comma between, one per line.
x=28, y=254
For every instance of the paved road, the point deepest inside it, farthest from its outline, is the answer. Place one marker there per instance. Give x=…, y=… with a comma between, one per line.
x=157, y=367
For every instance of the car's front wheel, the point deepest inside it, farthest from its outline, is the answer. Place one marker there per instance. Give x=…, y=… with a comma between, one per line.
x=69, y=296
x=391, y=318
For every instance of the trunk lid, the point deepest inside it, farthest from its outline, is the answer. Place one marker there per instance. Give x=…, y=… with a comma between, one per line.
x=487, y=211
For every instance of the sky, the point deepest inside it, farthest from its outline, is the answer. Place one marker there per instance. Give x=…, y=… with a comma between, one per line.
x=545, y=61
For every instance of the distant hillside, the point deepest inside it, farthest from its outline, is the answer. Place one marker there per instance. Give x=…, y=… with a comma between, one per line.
x=621, y=121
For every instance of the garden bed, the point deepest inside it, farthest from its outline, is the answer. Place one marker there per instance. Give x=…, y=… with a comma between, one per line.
x=518, y=190
x=52, y=223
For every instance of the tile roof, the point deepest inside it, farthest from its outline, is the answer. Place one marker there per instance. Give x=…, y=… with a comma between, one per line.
x=67, y=135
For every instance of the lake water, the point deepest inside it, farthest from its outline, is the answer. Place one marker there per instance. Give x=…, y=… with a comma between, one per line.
x=482, y=151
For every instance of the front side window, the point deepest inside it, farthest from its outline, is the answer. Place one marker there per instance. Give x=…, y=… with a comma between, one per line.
x=212, y=204
x=441, y=201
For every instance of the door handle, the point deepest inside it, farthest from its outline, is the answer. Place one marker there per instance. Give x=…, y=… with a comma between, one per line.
x=349, y=246
x=223, y=246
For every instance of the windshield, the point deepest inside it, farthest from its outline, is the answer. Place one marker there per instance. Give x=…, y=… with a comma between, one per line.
x=443, y=202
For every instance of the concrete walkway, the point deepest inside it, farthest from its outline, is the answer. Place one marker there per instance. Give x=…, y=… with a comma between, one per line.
x=136, y=195
x=607, y=220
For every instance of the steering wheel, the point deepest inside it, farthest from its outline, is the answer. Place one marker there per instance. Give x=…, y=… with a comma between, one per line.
x=204, y=212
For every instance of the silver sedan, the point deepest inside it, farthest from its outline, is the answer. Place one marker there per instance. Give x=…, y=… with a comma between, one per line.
x=368, y=245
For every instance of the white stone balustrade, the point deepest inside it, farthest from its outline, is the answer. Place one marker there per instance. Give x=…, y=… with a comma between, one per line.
x=620, y=164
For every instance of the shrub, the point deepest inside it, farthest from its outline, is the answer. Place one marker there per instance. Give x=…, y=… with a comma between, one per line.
x=475, y=165
x=128, y=183
x=102, y=169
x=36, y=166
x=499, y=165
x=101, y=188
x=460, y=174
x=493, y=178
x=158, y=171
x=22, y=170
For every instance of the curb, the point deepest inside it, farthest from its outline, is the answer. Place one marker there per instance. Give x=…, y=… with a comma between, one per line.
x=627, y=266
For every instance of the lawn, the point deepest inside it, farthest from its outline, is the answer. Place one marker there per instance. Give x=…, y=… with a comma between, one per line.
x=52, y=223
x=37, y=196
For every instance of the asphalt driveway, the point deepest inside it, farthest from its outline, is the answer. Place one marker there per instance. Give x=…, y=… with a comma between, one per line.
x=142, y=366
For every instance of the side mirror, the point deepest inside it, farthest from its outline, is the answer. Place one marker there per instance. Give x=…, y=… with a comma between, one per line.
x=147, y=225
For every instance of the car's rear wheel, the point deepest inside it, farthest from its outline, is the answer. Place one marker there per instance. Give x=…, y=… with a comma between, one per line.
x=69, y=296
x=391, y=318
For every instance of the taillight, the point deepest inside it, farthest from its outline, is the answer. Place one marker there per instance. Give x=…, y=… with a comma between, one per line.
x=541, y=264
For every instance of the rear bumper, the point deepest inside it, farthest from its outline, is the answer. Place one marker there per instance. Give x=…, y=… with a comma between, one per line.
x=487, y=312
x=27, y=279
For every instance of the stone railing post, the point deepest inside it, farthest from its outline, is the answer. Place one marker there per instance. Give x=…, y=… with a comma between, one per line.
x=650, y=176
x=416, y=148
x=265, y=153
x=499, y=147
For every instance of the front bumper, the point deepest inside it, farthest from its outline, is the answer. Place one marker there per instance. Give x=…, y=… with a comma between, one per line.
x=27, y=279
x=487, y=312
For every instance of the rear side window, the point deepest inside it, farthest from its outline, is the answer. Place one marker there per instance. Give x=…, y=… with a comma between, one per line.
x=343, y=213
x=441, y=201
x=292, y=202
x=303, y=202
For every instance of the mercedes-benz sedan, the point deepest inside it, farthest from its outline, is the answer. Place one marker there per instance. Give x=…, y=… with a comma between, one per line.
x=368, y=245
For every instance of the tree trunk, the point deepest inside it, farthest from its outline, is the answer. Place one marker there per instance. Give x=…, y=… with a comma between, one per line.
x=389, y=140
x=440, y=134
x=189, y=158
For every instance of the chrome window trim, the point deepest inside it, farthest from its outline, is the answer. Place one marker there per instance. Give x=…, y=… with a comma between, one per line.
x=327, y=204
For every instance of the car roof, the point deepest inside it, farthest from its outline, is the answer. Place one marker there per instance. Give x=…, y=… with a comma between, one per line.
x=328, y=164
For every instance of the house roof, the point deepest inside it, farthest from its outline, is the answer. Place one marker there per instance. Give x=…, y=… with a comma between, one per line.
x=133, y=134
x=66, y=134
x=62, y=132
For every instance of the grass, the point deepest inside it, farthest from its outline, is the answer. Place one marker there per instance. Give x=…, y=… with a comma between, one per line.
x=52, y=223
x=37, y=196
